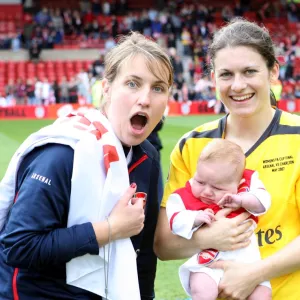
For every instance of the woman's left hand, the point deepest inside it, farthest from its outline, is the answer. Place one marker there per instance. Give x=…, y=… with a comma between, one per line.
x=239, y=279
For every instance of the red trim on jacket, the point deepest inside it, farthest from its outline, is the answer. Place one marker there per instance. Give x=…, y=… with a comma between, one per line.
x=16, y=197
x=14, y=284
x=143, y=158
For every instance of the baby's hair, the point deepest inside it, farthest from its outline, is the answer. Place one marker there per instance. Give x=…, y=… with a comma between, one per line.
x=224, y=150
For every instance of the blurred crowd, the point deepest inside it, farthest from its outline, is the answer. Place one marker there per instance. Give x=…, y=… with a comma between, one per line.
x=184, y=29
x=42, y=92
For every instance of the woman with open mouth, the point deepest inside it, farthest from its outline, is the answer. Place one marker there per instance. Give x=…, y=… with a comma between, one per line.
x=72, y=219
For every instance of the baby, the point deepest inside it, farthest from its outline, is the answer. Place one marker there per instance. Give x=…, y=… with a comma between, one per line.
x=221, y=180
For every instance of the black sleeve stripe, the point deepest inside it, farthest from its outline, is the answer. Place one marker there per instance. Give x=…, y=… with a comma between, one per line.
x=286, y=129
x=274, y=129
x=215, y=133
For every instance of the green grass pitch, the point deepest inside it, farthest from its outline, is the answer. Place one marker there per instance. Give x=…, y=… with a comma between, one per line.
x=12, y=133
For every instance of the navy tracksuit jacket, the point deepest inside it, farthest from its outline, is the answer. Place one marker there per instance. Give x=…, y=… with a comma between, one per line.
x=35, y=243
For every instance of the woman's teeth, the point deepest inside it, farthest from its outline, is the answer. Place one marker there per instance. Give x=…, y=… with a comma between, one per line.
x=248, y=96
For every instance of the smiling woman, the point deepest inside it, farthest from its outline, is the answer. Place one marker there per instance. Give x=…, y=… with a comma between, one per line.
x=243, y=66
x=241, y=74
x=96, y=163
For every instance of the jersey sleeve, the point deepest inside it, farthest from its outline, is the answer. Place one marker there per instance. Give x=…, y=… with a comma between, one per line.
x=252, y=184
x=180, y=219
x=36, y=234
x=178, y=174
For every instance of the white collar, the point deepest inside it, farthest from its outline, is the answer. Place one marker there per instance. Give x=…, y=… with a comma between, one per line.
x=129, y=156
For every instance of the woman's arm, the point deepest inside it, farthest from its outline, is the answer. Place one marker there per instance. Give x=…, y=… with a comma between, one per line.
x=223, y=234
x=240, y=279
x=285, y=261
x=35, y=235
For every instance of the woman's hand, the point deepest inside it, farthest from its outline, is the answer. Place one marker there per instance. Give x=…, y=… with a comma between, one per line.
x=223, y=234
x=239, y=279
x=125, y=220
x=204, y=216
x=226, y=234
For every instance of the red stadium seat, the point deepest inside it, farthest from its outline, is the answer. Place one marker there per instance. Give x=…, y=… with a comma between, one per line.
x=2, y=27
x=250, y=15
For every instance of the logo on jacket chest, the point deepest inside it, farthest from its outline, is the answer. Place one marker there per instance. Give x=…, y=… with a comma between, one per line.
x=41, y=178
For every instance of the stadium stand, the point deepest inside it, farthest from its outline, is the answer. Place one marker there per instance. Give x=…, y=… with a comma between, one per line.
x=58, y=34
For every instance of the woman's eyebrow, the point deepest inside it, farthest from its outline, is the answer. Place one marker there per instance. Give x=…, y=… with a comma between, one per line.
x=134, y=77
x=224, y=70
x=140, y=79
x=160, y=82
x=243, y=68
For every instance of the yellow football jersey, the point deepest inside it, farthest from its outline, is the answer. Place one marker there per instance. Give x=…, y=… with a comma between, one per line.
x=276, y=156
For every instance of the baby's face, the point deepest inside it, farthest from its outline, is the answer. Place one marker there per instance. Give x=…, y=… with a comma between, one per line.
x=213, y=180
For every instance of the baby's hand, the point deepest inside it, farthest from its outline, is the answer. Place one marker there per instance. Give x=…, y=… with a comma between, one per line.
x=204, y=216
x=231, y=200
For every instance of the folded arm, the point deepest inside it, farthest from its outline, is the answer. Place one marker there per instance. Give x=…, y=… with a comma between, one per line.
x=223, y=234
